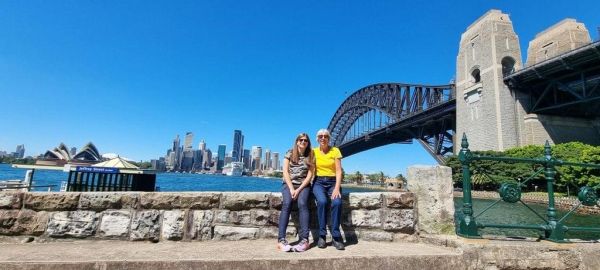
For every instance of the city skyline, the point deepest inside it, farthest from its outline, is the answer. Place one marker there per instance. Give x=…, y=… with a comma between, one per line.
x=133, y=75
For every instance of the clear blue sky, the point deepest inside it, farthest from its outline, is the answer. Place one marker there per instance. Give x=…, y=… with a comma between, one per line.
x=130, y=75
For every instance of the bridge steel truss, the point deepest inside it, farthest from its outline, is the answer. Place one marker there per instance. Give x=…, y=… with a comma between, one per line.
x=386, y=113
x=565, y=85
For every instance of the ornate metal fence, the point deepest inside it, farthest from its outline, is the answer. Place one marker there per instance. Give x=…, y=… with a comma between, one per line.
x=553, y=227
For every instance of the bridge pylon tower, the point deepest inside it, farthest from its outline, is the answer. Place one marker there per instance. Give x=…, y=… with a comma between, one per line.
x=486, y=109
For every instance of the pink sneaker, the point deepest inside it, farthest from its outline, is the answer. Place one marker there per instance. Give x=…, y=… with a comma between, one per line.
x=302, y=246
x=283, y=245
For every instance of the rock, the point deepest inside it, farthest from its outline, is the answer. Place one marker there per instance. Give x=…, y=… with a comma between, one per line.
x=145, y=226
x=245, y=200
x=201, y=228
x=273, y=232
x=78, y=224
x=114, y=224
x=432, y=186
x=367, y=235
x=398, y=220
x=265, y=217
x=367, y=200
x=365, y=218
x=51, y=201
x=172, y=224
x=11, y=200
x=108, y=200
x=402, y=200
x=275, y=200
x=222, y=216
x=8, y=222
x=180, y=200
x=240, y=217
x=235, y=233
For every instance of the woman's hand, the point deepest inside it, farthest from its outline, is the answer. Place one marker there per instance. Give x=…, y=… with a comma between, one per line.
x=335, y=194
x=296, y=193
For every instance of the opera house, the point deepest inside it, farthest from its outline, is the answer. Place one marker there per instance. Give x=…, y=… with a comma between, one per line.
x=60, y=156
x=89, y=171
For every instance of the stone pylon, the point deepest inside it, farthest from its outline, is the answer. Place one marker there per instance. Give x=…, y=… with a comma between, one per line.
x=487, y=110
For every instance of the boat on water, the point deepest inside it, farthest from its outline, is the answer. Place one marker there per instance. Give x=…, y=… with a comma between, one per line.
x=234, y=169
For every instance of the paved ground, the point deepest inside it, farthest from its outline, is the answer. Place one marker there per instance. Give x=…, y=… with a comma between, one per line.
x=441, y=253
x=255, y=254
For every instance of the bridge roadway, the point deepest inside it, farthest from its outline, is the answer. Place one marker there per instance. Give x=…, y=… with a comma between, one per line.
x=439, y=252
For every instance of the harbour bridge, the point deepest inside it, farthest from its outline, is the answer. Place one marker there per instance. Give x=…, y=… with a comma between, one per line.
x=555, y=98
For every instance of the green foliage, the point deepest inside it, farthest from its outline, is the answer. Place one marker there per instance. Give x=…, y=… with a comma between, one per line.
x=12, y=160
x=489, y=174
x=276, y=174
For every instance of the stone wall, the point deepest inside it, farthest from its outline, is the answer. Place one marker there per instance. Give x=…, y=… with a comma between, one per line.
x=192, y=216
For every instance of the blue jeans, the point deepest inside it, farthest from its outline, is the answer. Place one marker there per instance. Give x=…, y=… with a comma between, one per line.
x=286, y=209
x=322, y=189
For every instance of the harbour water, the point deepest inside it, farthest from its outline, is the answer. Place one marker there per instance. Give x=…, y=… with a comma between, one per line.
x=167, y=182
x=517, y=213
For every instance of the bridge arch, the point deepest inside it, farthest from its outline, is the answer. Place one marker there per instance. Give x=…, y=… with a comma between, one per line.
x=385, y=113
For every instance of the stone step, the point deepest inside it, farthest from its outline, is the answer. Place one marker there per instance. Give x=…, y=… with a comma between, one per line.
x=257, y=254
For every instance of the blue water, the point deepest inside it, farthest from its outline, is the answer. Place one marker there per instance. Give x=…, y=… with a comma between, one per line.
x=517, y=213
x=168, y=181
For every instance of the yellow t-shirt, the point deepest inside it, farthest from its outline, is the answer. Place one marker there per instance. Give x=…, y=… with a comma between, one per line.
x=326, y=162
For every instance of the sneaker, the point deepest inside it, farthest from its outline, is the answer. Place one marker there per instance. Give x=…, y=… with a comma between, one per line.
x=321, y=243
x=302, y=246
x=283, y=245
x=338, y=245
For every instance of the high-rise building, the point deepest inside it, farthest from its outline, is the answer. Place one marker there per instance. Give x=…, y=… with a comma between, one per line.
x=247, y=160
x=187, y=160
x=202, y=145
x=267, y=162
x=73, y=151
x=206, y=159
x=221, y=157
x=20, y=153
x=256, y=155
x=176, y=150
x=238, y=145
x=197, y=166
x=275, y=162
x=189, y=137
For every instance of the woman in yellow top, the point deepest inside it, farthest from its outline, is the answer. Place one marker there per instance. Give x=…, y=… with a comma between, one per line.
x=326, y=187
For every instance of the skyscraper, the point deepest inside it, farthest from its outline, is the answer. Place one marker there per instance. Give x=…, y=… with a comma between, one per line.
x=73, y=151
x=206, y=159
x=275, y=163
x=175, y=155
x=256, y=155
x=20, y=153
x=238, y=145
x=202, y=146
x=221, y=157
x=189, y=137
x=267, y=162
x=247, y=160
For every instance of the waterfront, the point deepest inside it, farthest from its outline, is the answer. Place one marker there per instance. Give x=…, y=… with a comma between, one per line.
x=167, y=182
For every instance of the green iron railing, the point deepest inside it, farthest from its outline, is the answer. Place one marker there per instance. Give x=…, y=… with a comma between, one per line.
x=553, y=227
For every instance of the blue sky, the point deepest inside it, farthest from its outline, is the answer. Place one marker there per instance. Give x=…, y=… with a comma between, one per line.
x=130, y=75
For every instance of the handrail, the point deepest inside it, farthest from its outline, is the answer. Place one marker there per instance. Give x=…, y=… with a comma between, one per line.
x=553, y=228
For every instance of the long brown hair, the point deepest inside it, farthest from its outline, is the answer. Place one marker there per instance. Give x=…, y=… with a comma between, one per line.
x=310, y=161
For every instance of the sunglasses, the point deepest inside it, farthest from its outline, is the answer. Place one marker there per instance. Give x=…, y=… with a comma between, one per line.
x=322, y=136
x=303, y=140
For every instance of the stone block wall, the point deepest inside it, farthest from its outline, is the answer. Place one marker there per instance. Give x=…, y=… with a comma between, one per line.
x=192, y=216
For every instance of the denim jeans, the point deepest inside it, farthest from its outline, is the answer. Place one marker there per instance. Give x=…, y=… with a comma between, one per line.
x=322, y=189
x=286, y=209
